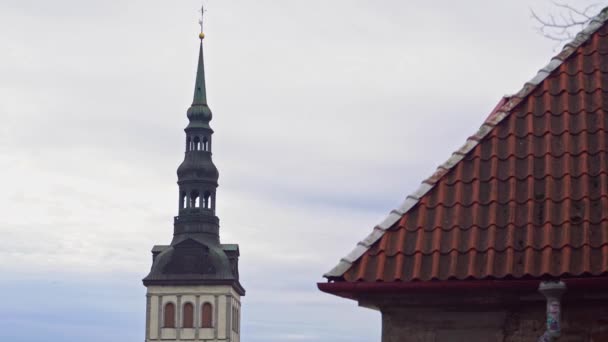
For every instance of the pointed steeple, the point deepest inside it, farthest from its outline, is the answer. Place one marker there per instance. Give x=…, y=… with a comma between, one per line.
x=195, y=256
x=197, y=175
x=199, y=108
x=200, y=92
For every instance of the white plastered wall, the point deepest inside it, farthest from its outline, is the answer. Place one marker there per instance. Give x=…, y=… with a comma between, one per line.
x=236, y=320
x=222, y=298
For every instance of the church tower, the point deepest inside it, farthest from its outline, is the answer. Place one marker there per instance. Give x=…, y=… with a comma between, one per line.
x=193, y=289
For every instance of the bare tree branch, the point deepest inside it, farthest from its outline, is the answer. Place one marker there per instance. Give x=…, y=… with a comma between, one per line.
x=583, y=13
x=566, y=24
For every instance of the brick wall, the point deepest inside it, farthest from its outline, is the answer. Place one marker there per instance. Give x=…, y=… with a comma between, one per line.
x=490, y=318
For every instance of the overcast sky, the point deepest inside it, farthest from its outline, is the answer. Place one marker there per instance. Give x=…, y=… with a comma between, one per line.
x=327, y=114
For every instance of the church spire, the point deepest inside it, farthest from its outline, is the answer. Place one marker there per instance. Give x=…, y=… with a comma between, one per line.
x=199, y=108
x=197, y=175
x=195, y=266
x=200, y=92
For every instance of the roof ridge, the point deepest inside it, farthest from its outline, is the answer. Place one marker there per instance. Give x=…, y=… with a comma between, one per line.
x=496, y=116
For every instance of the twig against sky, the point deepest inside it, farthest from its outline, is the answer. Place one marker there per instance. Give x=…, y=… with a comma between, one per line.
x=562, y=27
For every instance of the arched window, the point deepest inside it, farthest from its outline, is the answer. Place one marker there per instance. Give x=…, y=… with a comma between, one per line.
x=188, y=144
x=197, y=144
x=207, y=316
x=169, y=316
x=207, y=200
x=194, y=199
x=182, y=200
x=188, y=320
x=205, y=144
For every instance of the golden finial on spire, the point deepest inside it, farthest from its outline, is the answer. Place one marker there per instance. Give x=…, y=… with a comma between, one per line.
x=200, y=22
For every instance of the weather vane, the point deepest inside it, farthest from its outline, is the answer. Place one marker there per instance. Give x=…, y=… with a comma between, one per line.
x=200, y=22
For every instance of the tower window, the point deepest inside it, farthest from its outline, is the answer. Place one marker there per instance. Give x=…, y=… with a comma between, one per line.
x=205, y=144
x=188, y=144
x=197, y=144
x=188, y=321
x=169, y=316
x=182, y=200
x=194, y=199
x=207, y=200
x=207, y=316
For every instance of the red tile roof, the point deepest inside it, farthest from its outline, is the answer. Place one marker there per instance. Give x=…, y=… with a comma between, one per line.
x=526, y=197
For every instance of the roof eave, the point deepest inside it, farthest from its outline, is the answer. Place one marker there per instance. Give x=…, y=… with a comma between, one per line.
x=352, y=290
x=236, y=285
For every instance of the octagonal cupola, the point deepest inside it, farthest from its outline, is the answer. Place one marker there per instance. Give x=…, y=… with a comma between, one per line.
x=197, y=175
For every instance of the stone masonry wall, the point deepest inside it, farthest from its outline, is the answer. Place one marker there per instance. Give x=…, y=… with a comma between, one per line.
x=492, y=319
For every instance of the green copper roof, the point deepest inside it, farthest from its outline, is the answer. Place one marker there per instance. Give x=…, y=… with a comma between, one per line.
x=200, y=93
x=199, y=108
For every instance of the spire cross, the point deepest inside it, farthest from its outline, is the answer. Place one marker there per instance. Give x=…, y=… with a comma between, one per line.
x=200, y=21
